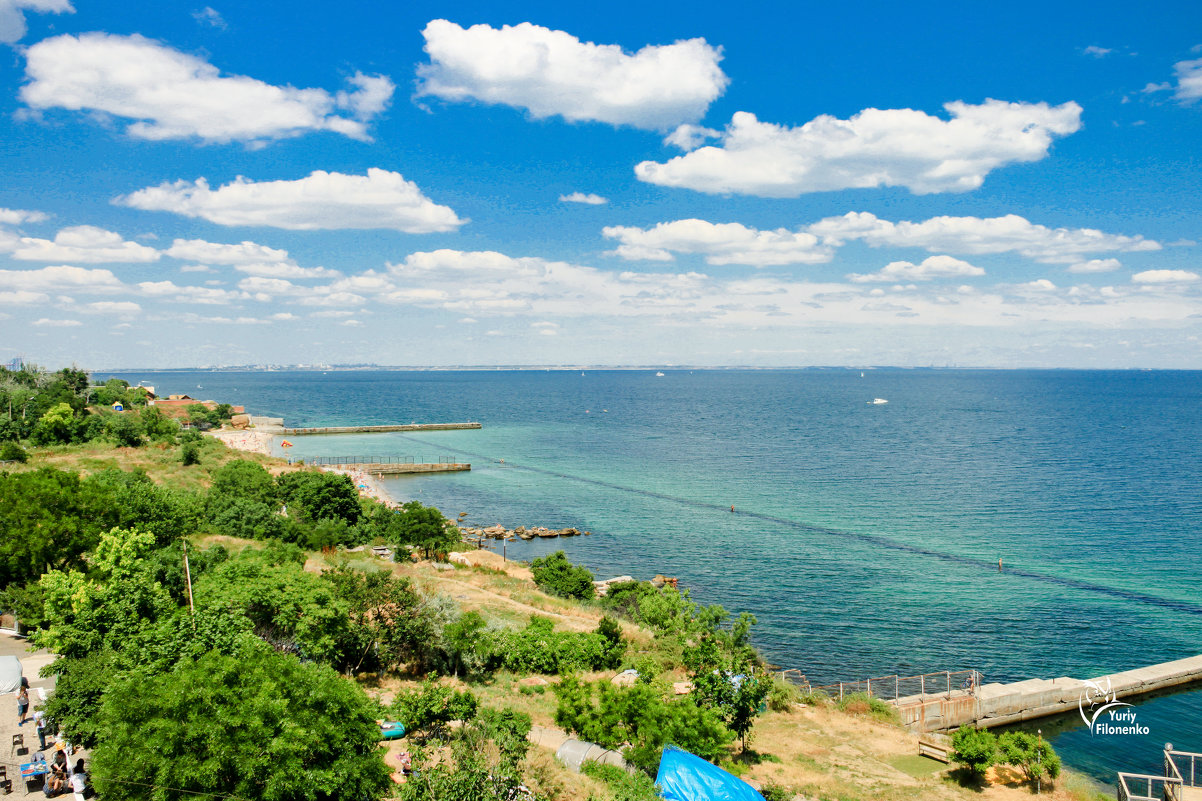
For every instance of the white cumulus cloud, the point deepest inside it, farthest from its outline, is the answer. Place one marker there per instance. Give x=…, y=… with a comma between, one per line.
x=247, y=257
x=977, y=235
x=60, y=278
x=580, y=197
x=1189, y=80
x=720, y=243
x=550, y=72
x=22, y=297
x=1165, y=277
x=83, y=243
x=928, y=269
x=19, y=216
x=49, y=323
x=12, y=15
x=321, y=200
x=174, y=95
x=874, y=148
x=1095, y=266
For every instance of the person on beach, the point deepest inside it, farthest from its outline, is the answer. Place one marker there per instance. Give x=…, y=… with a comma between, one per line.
x=22, y=703
x=79, y=780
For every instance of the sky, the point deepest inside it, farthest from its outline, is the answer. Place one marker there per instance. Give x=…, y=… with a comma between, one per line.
x=438, y=184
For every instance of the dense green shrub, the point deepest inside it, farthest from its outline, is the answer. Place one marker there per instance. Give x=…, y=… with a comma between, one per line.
x=315, y=495
x=189, y=454
x=538, y=648
x=975, y=749
x=1031, y=754
x=421, y=526
x=388, y=622
x=868, y=706
x=249, y=519
x=484, y=764
x=782, y=694
x=556, y=575
x=259, y=726
x=640, y=716
x=430, y=708
x=624, y=786
x=243, y=479
x=12, y=452
x=124, y=429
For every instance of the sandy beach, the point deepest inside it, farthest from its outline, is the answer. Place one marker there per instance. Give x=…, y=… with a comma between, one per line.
x=261, y=442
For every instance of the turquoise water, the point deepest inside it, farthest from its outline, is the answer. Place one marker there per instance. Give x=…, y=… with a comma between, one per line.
x=865, y=537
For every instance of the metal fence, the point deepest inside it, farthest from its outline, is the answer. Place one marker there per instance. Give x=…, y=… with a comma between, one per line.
x=1181, y=770
x=1182, y=765
x=1144, y=787
x=351, y=460
x=895, y=688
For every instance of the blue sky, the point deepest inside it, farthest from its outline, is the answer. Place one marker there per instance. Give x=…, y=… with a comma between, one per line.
x=537, y=183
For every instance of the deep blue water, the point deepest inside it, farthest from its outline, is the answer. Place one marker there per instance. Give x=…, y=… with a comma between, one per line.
x=865, y=537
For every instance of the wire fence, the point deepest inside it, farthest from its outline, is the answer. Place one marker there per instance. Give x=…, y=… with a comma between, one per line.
x=356, y=460
x=896, y=688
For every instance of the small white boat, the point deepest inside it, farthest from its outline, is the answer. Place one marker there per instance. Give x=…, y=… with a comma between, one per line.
x=659, y=375
x=878, y=401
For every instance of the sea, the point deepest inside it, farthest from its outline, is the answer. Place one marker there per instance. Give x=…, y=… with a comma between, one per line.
x=865, y=536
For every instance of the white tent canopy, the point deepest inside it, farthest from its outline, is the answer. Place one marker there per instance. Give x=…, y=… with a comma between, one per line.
x=10, y=674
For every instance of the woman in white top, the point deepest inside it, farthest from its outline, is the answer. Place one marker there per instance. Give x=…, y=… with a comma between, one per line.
x=79, y=780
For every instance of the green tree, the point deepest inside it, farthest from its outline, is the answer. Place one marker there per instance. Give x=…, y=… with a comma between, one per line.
x=317, y=495
x=641, y=717
x=485, y=762
x=556, y=575
x=157, y=425
x=113, y=605
x=430, y=708
x=125, y=429
x=56, y=426
x=975, y=749
x=421, y=526
x=248, y=519
x=243, y=479
x=467, y=644
x=1031, y=754
x=189, y=454
x=291, y=609
x=49, y=519
x=263, y=726
x=387, y=623
x=81, y=683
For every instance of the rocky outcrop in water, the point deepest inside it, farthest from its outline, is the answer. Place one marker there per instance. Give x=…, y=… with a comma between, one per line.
x=521, y=532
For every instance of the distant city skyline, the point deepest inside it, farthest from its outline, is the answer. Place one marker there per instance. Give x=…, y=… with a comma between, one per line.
x=542, y=184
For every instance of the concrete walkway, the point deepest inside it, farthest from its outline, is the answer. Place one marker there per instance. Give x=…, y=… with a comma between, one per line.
x=39, y=689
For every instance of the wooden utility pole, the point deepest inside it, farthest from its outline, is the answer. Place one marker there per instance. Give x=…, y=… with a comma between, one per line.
x=188, y=576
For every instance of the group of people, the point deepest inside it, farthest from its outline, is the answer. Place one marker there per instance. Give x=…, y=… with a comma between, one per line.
x=62, y=779
x=59, y=777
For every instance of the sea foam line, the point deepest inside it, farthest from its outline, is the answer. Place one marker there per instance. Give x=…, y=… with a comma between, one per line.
x=1185, y=607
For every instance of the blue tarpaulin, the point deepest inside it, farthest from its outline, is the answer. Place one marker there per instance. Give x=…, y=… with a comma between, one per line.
x=684, y=777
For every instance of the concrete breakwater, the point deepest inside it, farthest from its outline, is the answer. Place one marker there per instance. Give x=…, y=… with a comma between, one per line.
x=378, y=429
x=407, y=468
x=1000, y=704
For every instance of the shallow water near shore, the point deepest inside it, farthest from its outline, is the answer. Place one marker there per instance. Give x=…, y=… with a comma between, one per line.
x=865, y=537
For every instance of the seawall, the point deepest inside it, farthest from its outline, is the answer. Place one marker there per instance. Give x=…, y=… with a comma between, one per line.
x=1001, y=704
